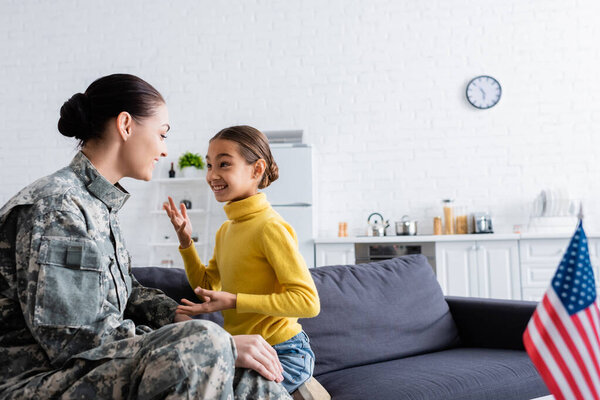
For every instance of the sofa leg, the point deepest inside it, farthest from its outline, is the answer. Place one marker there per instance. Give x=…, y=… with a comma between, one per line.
x=311, y=390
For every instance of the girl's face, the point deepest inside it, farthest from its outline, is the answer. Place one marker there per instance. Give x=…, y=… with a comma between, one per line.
x=146, y=145
x=229, y=176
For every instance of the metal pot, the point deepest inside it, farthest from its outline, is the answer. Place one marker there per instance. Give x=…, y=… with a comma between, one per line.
x=376, y=228
x=406, y=226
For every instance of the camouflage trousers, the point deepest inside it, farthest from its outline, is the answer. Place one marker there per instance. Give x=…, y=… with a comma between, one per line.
x=189, y=360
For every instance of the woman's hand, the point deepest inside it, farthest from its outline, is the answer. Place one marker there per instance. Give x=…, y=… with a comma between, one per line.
x=213, y=301
x=181, y=222
x=255, y=353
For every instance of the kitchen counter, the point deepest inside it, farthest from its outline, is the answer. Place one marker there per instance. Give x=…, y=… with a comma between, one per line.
x=498, y=265
x=447, y=238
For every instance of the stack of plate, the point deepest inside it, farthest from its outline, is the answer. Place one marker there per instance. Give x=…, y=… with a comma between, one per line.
x=553, y=211
x=554, y=203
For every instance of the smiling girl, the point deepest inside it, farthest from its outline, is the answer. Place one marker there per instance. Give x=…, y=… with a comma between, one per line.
x=257, y=277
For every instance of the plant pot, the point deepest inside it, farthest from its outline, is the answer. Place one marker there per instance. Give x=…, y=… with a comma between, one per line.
x=192, y=172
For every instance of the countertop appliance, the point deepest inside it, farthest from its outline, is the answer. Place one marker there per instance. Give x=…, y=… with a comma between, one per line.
x=482, y=223
x=291, y=195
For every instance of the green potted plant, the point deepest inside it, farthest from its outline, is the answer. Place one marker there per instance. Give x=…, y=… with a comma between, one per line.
x=191, y=164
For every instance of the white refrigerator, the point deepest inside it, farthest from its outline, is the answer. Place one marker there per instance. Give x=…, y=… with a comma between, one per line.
x=291, y=195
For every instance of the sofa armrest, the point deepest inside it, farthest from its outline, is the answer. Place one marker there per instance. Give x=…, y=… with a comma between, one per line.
x=491, y=323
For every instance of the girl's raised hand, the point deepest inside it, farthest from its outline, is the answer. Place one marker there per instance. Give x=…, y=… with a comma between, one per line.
x=181, y=222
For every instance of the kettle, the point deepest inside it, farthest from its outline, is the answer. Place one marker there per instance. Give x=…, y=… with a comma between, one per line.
x=377, y=228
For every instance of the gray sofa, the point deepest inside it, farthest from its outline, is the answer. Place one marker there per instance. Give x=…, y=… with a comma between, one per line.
x=386, y=332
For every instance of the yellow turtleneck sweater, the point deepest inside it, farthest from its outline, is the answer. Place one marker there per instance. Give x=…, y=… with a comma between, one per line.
x=256, y=257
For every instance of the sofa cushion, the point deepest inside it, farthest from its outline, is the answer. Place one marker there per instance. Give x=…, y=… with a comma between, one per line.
x=377, y=312
x=461, y=373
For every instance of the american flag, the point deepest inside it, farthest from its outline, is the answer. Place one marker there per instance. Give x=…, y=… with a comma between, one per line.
x=562, y=335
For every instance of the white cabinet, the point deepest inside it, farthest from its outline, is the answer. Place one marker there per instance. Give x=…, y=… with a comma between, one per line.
x=334, y=254
x=540, y=259
x=479, y=268
x=164, y=244
x=456, y=268
x=499, y=273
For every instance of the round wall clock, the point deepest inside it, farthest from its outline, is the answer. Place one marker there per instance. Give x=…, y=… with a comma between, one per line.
x=484, y=92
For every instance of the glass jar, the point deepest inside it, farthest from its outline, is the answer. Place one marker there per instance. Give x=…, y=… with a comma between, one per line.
x=448, y=207
x=342, y=229
x=462, y=221
x=437, y=225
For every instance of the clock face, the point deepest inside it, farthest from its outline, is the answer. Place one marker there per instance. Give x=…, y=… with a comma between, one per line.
x=484, y=92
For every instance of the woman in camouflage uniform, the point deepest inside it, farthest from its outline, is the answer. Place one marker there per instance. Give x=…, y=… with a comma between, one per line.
x=74, y=322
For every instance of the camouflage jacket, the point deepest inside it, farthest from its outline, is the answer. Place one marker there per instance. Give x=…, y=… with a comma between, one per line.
x=66, y=287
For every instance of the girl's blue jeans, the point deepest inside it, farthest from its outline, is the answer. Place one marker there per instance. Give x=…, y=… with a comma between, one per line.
x=297, y=360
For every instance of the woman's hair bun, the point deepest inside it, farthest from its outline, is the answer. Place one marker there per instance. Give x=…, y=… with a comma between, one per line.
x=85, y=115
x=75, y=117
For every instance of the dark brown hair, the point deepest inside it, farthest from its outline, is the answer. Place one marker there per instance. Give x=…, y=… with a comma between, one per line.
x=253, y=145
x=84, y=115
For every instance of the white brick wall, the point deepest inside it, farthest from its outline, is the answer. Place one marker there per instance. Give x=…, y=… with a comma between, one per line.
x=378, y=87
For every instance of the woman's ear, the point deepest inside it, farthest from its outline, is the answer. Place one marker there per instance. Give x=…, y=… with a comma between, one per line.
x=259, y=168
x=124, y=124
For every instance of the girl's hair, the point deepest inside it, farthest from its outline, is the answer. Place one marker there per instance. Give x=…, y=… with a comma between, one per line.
x=84, y=115
x=253, y=145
